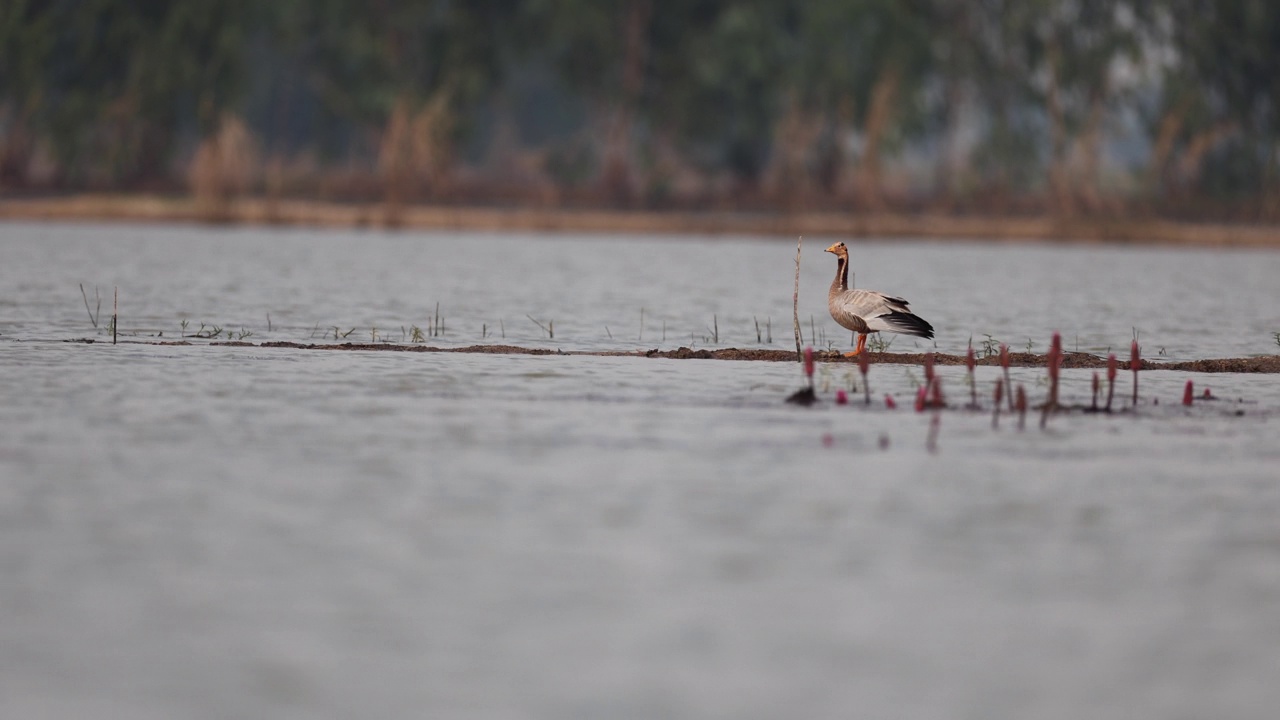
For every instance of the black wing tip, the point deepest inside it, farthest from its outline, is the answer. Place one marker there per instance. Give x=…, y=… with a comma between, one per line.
x=909, y=324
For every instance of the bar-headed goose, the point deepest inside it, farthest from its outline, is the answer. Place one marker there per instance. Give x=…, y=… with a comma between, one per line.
x=868, y=311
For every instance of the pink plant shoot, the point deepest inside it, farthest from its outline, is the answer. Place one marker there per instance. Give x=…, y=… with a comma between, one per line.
x=1004, y=364
x=1112, y=367
x=999, y=398
x=1188, y=393
x=864, y=366
x=1055, y=356
x=1054, y=360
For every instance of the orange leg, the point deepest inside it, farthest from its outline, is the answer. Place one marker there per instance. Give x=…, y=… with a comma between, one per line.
x=862, y=345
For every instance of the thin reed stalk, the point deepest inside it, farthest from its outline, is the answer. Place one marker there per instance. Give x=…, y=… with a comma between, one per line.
x=795, y=300
x=548, y=329
x=1055, y=365
x=93, y=318
x=973, y=383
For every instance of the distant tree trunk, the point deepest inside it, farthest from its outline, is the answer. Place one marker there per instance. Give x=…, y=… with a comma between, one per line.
x=15, y=148
x=416, y=153
x=273, y=185
x=394, y=157
x=867, y=178
x=949, y=162
x=1269, y=199
x=787, y=176
x=431, y=144
x=1061, y=194
x=1170, y=127
x=616, y=175
x=1091, y=147
x=1200, y=144
x=222, y=168
x=831, y=160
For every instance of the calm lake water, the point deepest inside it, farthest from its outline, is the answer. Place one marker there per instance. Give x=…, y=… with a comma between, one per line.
x=212, y=532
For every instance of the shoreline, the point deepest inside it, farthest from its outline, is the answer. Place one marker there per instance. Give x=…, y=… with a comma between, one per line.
x=1070, y=360
x=306, y=213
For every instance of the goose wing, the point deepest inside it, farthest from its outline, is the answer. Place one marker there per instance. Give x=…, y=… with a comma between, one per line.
x=868, y=310
x=867, y=304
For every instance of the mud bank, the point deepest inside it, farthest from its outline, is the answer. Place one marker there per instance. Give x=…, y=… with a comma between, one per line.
x=1072, y=360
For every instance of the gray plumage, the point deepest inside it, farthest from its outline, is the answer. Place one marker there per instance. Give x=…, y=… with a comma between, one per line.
x=868, y=311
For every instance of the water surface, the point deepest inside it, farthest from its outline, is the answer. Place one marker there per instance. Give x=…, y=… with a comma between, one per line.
x=206, y=531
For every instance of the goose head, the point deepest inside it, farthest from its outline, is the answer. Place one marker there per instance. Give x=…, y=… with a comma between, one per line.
x=839, y=250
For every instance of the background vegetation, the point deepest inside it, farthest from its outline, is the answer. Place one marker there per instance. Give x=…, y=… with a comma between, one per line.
x=1075, y=107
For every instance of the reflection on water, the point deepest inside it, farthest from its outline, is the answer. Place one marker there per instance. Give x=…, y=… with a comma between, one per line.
x=213, y=531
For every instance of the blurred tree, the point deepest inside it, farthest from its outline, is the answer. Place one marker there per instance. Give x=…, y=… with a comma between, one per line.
x=719, y=90
x=123, y=77
x=27, y=37
x=786, y=100
x=864, y=63
x=104, y=84
x=1055, y=60
x=601, y=49
x=1220, y=96
x=955, y=64
x=408, y=72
